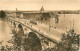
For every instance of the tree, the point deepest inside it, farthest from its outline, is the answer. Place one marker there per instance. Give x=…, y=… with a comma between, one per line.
x=2, y=14
x=70, y=42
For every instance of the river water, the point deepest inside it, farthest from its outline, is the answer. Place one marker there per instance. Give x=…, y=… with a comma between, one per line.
x=5, y=33
x=71, y=21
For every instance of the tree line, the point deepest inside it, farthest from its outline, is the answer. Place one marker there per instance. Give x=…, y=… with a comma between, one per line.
x=2, y=14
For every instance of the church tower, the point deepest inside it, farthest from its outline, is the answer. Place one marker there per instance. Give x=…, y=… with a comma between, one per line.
x=16, y=10
x=42, y=9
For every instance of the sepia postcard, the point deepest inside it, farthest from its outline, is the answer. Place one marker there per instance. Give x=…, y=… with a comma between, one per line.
x=39, y=25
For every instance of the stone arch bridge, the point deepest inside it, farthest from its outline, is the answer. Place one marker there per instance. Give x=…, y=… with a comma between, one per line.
x=44, y=40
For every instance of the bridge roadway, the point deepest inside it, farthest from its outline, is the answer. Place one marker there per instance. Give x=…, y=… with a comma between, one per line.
x=54, y=36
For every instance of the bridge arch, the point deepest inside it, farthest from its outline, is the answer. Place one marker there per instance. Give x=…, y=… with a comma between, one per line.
x=13, y=27
x=20, y=30
x=34, y=42
x=20, y=26
x=14, y=23
x=11, y=22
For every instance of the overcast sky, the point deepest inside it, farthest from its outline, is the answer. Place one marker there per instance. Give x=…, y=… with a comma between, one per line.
x=37, y=4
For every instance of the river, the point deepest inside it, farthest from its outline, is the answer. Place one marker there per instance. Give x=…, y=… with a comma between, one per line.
x=71, y=21
x=5, y=33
